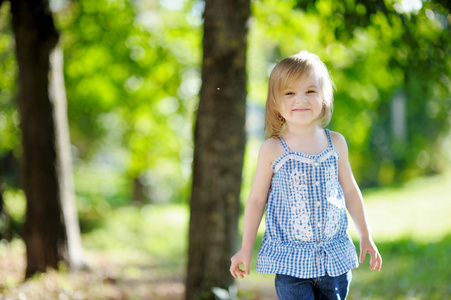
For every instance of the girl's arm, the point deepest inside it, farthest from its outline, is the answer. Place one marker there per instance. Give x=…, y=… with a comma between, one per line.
x=354, y=204
x=255, y=207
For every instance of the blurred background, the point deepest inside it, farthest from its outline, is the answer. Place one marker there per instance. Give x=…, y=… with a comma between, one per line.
x=132, y=77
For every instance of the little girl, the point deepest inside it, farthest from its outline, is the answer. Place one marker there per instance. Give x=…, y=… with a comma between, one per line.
x=304, y=179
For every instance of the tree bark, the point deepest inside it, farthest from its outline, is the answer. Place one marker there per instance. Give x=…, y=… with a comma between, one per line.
x=219, y=148
x=44, y=170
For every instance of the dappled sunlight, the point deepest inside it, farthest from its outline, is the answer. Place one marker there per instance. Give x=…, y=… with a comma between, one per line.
x=12, y=262
x=104, y=277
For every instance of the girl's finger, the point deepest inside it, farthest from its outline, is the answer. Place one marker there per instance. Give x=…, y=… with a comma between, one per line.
x=233, y=271
x=379, y=262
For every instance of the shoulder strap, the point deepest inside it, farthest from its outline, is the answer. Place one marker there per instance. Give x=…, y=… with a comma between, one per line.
x=331, y=145
x=284, y=145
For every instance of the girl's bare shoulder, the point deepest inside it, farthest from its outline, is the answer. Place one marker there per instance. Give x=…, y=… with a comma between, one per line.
x=339, y=141
x=271, y=149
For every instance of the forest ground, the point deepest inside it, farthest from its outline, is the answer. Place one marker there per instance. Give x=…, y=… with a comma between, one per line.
x=140, y=253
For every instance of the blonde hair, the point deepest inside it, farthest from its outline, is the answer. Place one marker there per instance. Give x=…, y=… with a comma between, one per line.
x=285, y=73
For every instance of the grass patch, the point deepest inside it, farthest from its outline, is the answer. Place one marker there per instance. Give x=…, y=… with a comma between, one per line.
x=153, y=234
x=139, y=253
x=419, y=210
x=411, y=270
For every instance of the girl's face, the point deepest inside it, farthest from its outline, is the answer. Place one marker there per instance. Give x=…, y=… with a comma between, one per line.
x=302, y=101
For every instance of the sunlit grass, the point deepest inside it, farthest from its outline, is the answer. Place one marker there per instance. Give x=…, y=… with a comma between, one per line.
x=412, y=229
x=156, y=235
x=419, y=210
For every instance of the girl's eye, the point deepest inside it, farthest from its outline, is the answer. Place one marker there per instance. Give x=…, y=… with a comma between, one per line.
x=289, y=93
x=311, y=92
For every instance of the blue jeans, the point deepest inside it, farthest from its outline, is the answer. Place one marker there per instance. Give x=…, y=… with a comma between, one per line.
x=324, y=287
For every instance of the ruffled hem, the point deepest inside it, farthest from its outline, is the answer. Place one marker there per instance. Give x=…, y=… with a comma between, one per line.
x=307, y=260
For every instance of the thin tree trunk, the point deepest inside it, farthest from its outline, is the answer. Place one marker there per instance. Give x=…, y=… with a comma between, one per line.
x=219, y=147
x=64, y=159
x=48, y=190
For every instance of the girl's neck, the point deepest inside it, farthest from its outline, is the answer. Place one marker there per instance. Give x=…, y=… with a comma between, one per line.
x=308, y=140
x=302, y=131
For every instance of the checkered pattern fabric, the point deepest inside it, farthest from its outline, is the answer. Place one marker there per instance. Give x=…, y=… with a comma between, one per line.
x=306, y=222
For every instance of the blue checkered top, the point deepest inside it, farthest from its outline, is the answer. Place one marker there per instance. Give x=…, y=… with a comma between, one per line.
x=306, y=222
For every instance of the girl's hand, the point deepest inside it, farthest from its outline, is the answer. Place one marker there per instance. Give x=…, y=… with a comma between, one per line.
x=242, y=257
x=368, y=246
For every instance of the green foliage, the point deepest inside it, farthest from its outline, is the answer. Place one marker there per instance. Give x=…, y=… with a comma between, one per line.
x=9, y=119
x=382, y=59
x=132, y=83
x=132, y=72
x=99, y=190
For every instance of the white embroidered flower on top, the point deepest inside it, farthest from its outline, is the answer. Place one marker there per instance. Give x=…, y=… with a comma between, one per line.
x=335, y=204
x=332, y=186
x=333, y=221
x=300, y=216
x=299, y=182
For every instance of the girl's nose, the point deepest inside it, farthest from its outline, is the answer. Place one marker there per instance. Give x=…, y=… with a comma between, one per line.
x=300, y=99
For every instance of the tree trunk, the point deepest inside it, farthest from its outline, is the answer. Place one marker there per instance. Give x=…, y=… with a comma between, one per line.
x=219, y=148
x=139, y=195
x=45, y=178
